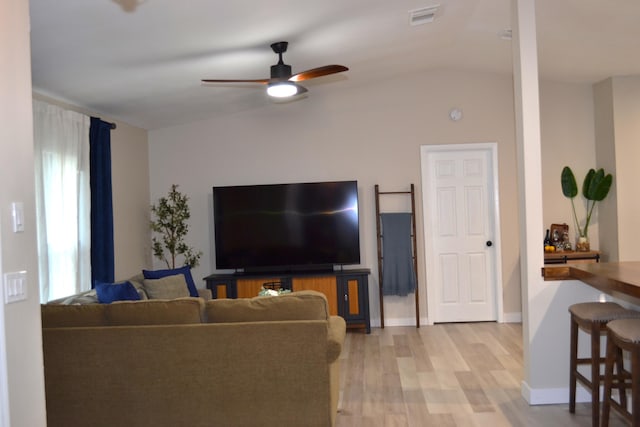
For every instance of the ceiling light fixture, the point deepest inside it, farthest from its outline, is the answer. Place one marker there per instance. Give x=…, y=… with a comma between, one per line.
x=282, y=89
x=129, y=5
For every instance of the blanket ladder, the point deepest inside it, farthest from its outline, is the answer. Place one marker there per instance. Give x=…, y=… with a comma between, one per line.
x=380, y=238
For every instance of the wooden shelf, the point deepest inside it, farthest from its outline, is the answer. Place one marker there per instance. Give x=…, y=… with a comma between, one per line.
x=571, y=257
x=562, y=262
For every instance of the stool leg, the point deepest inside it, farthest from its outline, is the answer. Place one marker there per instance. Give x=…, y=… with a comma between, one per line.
x=635, y=386
x=622, y=389
x=595, y=374
x=608, y=380
x=573, y=357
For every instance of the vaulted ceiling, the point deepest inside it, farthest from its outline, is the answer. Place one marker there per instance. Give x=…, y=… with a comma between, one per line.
x=141, y=61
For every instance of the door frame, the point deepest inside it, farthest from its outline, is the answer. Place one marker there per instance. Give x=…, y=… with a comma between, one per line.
x=5, y=419
x=425, y=150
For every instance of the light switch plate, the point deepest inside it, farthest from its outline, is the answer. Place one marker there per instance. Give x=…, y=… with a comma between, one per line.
x=15, y=286
x=17, y=214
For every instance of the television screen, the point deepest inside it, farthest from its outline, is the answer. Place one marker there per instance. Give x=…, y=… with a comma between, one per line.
x=286, y=226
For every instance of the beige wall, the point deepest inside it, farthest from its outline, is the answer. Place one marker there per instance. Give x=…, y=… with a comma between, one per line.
x=617, y=127
x=130, y=180
x=566, y=116
x=626, y=112
x=22, y=400
x=606, y=158
x=351, y=132
x=626, y=119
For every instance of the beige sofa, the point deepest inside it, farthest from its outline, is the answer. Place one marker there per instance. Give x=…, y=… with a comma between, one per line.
x=266, y=361
x=143, y=287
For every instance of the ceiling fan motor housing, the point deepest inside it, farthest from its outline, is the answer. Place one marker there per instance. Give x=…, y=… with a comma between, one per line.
x=282, y=82
x=281, y=71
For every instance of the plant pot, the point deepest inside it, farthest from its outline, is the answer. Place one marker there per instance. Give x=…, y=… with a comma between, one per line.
x=582, y=244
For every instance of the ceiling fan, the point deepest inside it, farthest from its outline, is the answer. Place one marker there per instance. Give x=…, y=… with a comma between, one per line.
x=282, y=83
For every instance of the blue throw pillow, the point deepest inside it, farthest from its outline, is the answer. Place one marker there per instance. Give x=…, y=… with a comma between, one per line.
x=186, y=270
x=110, y=292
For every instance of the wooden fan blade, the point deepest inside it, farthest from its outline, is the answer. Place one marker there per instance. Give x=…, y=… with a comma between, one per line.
x=317, y=72
x=261, y=81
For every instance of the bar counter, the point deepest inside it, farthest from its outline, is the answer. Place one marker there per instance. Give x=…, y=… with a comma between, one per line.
x=622, y=277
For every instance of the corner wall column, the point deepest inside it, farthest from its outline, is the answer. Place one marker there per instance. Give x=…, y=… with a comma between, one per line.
x=528, y=146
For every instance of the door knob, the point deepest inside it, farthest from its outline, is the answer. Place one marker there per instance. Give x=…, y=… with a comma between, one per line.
x=489, y=243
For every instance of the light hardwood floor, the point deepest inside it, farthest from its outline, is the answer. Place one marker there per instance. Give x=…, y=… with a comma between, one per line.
x=464, y=374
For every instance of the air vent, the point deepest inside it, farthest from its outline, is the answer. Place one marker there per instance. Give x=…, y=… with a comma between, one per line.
x=423, y=15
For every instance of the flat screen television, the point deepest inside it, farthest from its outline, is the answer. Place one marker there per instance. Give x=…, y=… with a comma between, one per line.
x=286, y=227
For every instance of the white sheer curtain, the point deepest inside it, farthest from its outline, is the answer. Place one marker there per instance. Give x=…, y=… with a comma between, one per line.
x=61, y=139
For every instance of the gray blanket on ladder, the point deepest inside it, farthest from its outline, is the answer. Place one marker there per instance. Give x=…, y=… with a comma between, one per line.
x=398, y=274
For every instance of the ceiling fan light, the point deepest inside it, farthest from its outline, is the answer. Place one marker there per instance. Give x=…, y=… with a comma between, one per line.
x=281, y=89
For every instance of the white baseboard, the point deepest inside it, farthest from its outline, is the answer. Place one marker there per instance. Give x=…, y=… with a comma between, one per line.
x=553, y=396
x=375, y=323
x=411, y=321
x=512, y=317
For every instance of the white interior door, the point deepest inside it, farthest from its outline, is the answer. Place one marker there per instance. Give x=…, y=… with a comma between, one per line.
x=460, y=197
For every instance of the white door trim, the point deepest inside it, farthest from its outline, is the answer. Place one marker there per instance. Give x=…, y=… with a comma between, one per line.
x=4, y=381
x=492, y=147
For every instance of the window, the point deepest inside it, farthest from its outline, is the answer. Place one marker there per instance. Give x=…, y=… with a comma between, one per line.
x=61, y=149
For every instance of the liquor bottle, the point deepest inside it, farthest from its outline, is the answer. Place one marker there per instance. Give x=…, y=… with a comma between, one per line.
x=547, y=238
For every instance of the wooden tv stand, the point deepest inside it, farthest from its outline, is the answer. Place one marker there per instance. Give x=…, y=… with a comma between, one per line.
x=347, y=291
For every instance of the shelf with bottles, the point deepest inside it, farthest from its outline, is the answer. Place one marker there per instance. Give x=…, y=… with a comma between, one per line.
x=557, y=239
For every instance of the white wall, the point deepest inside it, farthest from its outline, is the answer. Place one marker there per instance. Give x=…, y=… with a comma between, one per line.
x=130, y=179
x=567, y=139
x=20, y=321
x=626, y=114
x=566, y=130
x=345, y=131
x=370, y=135
x=605, y=137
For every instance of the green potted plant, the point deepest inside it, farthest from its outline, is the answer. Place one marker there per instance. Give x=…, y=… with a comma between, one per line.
x=595, y=187
x=169, y=221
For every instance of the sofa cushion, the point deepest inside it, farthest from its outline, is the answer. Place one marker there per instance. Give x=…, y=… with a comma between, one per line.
x=155, y=312
x=87, y=297
x=64, y=316
x=110, y=292
x=186, y=271
x=169, y=287
x=302, y=305
x=136, y=281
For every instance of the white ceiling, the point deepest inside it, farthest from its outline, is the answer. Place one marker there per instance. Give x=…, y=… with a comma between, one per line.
x=141, y=61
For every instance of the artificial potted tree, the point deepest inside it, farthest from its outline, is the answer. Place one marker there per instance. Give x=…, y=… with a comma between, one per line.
x=169, y=221
x=595, y=187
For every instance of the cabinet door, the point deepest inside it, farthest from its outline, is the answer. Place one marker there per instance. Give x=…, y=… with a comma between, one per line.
x=221, y=287
x=326, y=285
x=351, y=286
x=354, y=301
x=220, y=290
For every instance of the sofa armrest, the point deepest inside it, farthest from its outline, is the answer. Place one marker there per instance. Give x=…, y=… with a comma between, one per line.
x=335, y=337
x=205, y=294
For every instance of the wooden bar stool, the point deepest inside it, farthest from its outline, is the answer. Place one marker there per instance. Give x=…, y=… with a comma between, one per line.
x=591, y=317
x=622, y=335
